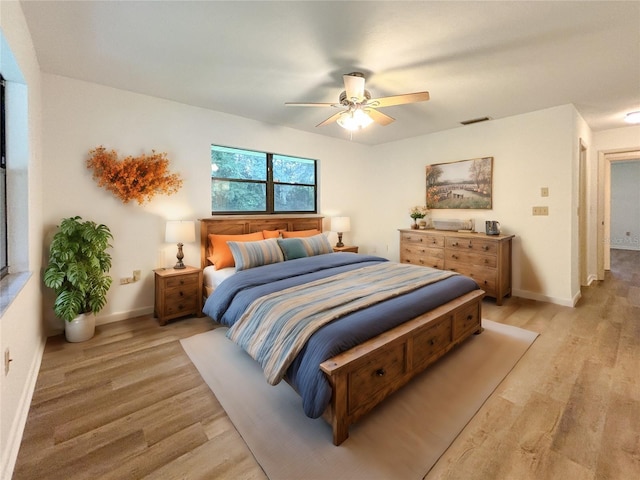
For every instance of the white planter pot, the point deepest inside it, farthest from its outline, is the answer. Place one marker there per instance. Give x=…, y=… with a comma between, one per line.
x=80, y=328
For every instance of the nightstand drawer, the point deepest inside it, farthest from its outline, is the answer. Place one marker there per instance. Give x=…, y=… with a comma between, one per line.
x=182, y=281
x=180, y=306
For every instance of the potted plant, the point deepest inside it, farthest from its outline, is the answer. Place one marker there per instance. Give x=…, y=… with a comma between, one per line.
x=77, y=271
x=418, y=212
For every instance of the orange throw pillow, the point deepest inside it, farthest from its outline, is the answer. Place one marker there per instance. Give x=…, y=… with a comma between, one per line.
x=271, y=234
x=301, y=233
x=222, y=256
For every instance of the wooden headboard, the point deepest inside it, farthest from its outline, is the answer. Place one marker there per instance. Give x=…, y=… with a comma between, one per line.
x=241, y=224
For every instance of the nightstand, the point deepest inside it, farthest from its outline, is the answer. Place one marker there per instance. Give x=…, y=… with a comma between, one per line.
x=346, y=248
x=178, y=293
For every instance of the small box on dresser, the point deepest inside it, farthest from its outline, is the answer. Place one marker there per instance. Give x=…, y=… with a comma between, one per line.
x=485, y=258
x=178, y=292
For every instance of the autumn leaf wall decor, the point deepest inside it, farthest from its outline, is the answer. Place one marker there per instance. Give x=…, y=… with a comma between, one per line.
x=133, y=178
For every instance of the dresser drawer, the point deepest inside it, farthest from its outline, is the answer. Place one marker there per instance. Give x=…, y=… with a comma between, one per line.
x=484, y=277
x=373, y=379
x=425, y=239
x=472, y=245
x=466, y=320
x=472, y=258
x=423, y=256
x=430, y=342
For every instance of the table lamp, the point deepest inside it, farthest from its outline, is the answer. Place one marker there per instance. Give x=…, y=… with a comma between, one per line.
x=340, y=225
x=179, y=231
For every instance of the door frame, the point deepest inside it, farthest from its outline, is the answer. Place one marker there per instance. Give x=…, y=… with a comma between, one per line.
x=605, y=158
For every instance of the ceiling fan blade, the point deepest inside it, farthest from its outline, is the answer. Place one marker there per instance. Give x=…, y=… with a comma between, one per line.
x=399, y=99
x=379, y=117
x=331, y=119
x=293, y=104
x=354, y=86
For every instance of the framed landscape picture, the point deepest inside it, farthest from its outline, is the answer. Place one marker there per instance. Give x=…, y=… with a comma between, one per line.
x=462, y=184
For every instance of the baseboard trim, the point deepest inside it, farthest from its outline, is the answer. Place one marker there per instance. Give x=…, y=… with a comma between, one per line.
x=116, y=317
x=565, y=302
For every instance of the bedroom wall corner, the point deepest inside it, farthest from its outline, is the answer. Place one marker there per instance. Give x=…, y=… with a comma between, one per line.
x=530, y=151
x=21, y=326
x=79, y=116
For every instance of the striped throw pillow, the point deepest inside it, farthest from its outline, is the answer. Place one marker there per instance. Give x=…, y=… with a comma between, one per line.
x=305, y=246
x=255, y=254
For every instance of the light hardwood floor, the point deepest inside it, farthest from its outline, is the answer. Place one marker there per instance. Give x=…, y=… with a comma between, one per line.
x=129, y=404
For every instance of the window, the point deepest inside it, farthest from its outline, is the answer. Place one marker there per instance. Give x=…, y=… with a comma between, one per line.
x=245, y=181
x=4, y=257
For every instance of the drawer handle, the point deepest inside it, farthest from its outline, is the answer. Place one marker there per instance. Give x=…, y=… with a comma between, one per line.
x=422, y=261
x=470, y=246
x=181, y=293
x=486, y=260
x=469, y=317
x=454, y=244
x=432, y=341
x=421, y=240
x=181, y=282
x=380, y=372
x=435, y=266
x=454, y=257
x=485, y=248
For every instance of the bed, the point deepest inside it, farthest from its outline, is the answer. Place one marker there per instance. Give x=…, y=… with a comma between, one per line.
x=347, y=366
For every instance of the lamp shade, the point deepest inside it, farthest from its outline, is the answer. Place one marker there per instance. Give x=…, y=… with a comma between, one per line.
x=180, y=231
x=340, y=224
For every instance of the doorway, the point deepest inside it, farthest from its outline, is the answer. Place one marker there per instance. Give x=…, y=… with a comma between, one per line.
x=604, y=204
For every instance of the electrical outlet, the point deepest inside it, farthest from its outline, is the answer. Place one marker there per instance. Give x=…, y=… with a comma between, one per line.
x=540, y=211
x=7, y=361
x=125, y=280
x=544, y=192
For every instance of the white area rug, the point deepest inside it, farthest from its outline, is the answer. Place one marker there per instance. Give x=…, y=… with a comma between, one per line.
x=401, y=439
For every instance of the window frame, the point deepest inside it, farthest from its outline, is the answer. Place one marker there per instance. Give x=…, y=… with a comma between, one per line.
x=270, y=185
x=4, y=231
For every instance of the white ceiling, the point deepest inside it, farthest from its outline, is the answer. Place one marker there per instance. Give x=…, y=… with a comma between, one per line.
x=476, y=59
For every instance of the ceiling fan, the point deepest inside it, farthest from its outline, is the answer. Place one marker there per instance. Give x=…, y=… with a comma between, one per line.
x=358, y=109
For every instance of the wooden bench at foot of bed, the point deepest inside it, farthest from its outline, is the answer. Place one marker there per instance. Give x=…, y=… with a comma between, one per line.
x=366, y=374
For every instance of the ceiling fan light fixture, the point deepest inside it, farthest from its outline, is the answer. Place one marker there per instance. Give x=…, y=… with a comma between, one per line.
x=354, y=120
x=632, y=117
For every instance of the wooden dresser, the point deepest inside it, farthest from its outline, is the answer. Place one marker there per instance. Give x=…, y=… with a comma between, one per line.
x=485, y=258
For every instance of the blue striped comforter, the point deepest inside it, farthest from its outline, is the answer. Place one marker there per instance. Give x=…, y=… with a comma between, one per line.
x=234, y=296
x=275, y=327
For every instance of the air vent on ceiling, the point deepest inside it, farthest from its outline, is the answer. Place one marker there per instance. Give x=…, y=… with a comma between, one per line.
x=476, y=120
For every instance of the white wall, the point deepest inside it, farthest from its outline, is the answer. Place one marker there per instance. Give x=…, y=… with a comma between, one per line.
x=625, y=205
x=21, y=324
x=530, y=151
x=79, y=116
x=375, y=185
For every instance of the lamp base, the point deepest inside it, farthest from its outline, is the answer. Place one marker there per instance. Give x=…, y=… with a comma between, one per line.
x=179, y=265
x=339, y=244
